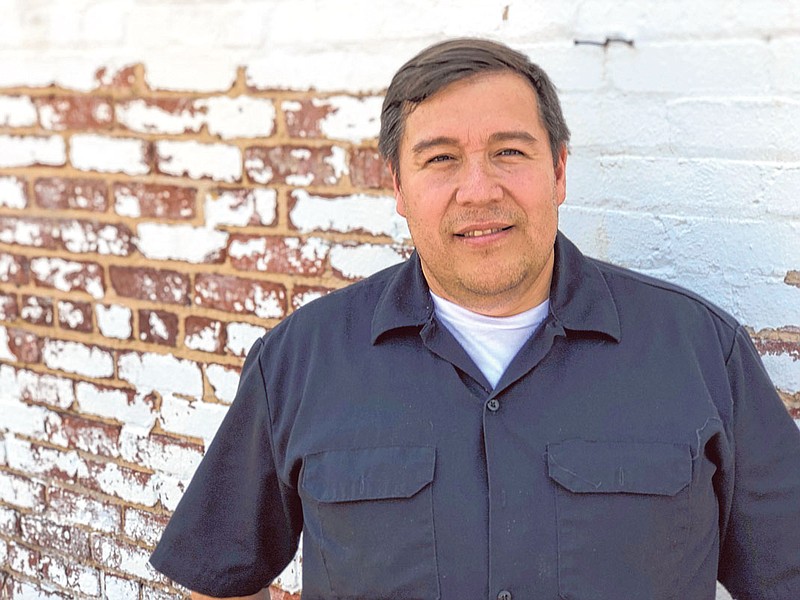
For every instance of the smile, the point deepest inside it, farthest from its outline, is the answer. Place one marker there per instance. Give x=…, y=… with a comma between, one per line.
x=482, y=232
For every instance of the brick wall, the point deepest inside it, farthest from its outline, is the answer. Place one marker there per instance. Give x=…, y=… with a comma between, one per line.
x=177, y=177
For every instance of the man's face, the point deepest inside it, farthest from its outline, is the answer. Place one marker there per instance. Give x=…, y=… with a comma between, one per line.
x=477, y=186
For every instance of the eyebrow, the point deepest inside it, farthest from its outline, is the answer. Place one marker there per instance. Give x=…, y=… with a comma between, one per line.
x=500, y=136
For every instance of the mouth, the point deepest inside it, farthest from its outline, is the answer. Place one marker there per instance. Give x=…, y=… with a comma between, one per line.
x=474, y=233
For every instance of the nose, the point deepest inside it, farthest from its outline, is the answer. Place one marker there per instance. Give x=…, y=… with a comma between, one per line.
x=478, y=184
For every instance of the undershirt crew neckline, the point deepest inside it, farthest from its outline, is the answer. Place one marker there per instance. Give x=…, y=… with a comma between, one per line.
x=491, y=342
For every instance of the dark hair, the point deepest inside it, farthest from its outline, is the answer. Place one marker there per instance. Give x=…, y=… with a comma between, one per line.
x=444, y=63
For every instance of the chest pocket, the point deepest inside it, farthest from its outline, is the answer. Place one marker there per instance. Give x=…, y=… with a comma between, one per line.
x=370, y=513
x=623, y=517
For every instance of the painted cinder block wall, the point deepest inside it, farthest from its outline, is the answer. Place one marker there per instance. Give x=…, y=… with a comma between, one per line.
x=176, y=177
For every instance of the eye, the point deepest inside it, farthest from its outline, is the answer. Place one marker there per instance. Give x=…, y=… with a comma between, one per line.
x=510, y=152
x=439, y=158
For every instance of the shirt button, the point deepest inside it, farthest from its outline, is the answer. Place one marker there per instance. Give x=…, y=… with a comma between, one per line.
x=494, y=405
x=504, y=595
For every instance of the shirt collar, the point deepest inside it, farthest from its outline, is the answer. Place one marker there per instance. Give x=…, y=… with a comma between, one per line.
x=580, y=299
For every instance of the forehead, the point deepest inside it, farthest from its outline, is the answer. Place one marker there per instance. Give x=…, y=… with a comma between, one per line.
x=482, y=103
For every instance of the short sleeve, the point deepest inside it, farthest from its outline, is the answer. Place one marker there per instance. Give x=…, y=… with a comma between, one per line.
x=237, y=526
x=760, y=543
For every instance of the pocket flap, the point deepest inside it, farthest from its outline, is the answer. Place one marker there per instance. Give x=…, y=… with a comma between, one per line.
x=368, y=473
x=613, y=467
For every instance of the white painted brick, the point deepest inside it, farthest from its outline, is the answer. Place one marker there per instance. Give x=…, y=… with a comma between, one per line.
x=71, y=576
x=180, y=242
x=752, y=128
x=224, y=381
x=70, y=315
x=33, y=68
x=544, y=19
x=60, y=272
x=177, y=72
x=114, y=321
x=196, y=419
x=216, y=161
x=18, y=491
x=291, y=579
x=610, y=122
x=77, y=237
x=352, y=119
x=128, y=559
x=90, y=152
x=358, y=212
x=17, y=111
x=113, y=481
x=672, y=67
x=17, y=151
x=161, y=373
x=74, y=357
x=227, y=208
x=120, y=588
x=569, y=68
x=26, y=233
x=784, y=369
x=241, y=337
x=176, y=460
x=299, y=300
x=362, y=260
x=5, y=350
x=680, y=186
x=40, y=388
x=783, y=64
x=139, y=527
x=103, y=22
x=68, y=508
x=12, y=193
x=40, y=460
x=116, y=404
x=204, y=340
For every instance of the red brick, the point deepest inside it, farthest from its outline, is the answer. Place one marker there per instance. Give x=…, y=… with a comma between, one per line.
x=233, y=294
x=69, y=276
x=23, y=560
x=25, y=345
x=38, y=531
x=792, y=278
x=368, y=170
x=278, y=594
x=37, y=310
x=292, y=165
x=35, y=232
x=155, y=285
x=71, y=508
x=14, y=269
x=121, y=80
x=60, y=193
x=303, y=118
x=277, y=254
x=155, y=200
x=9, y=311
x=207, y=335
x=303, y=294
x=80, y=433
x=75, y=316
x=158, y=327
x=59, y=113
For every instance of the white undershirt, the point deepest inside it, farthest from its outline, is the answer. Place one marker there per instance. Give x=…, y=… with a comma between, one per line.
x=491, y=342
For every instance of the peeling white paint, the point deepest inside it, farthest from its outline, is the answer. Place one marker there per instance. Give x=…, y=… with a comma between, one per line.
x=258, y=170
x=204, y=340
x=71, y=315
x=229, y=208
x=16, y=151
x=338, y=162
x=90, y=152
x=157, y=327
x=265, y=303
x=355, y=262
x=180, y=242
x=78, y=237
x=224, y=381
x=306, y=297
x=220, y=162
x=196, y=419
x=163, y=373
x=55, y=271
x=784, y=370
x=73, y=357
x=247, y=248
x=127, y=205
x=32, y=310
x=116, y=404
x=357, y=212
x=241, y=336
x=114, y=321
x=12, y=193
x=48, y=389
x=300, y=179
x=17, y=111
x=240, y=117
x=352, y=119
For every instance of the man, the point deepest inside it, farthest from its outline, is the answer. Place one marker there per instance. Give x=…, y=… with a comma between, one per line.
x=498, y=417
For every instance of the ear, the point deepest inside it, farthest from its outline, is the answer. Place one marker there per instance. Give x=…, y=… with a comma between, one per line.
x=398, y=192
x=561, y=176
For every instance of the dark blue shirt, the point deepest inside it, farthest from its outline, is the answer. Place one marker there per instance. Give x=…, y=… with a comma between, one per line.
x=633, y=449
